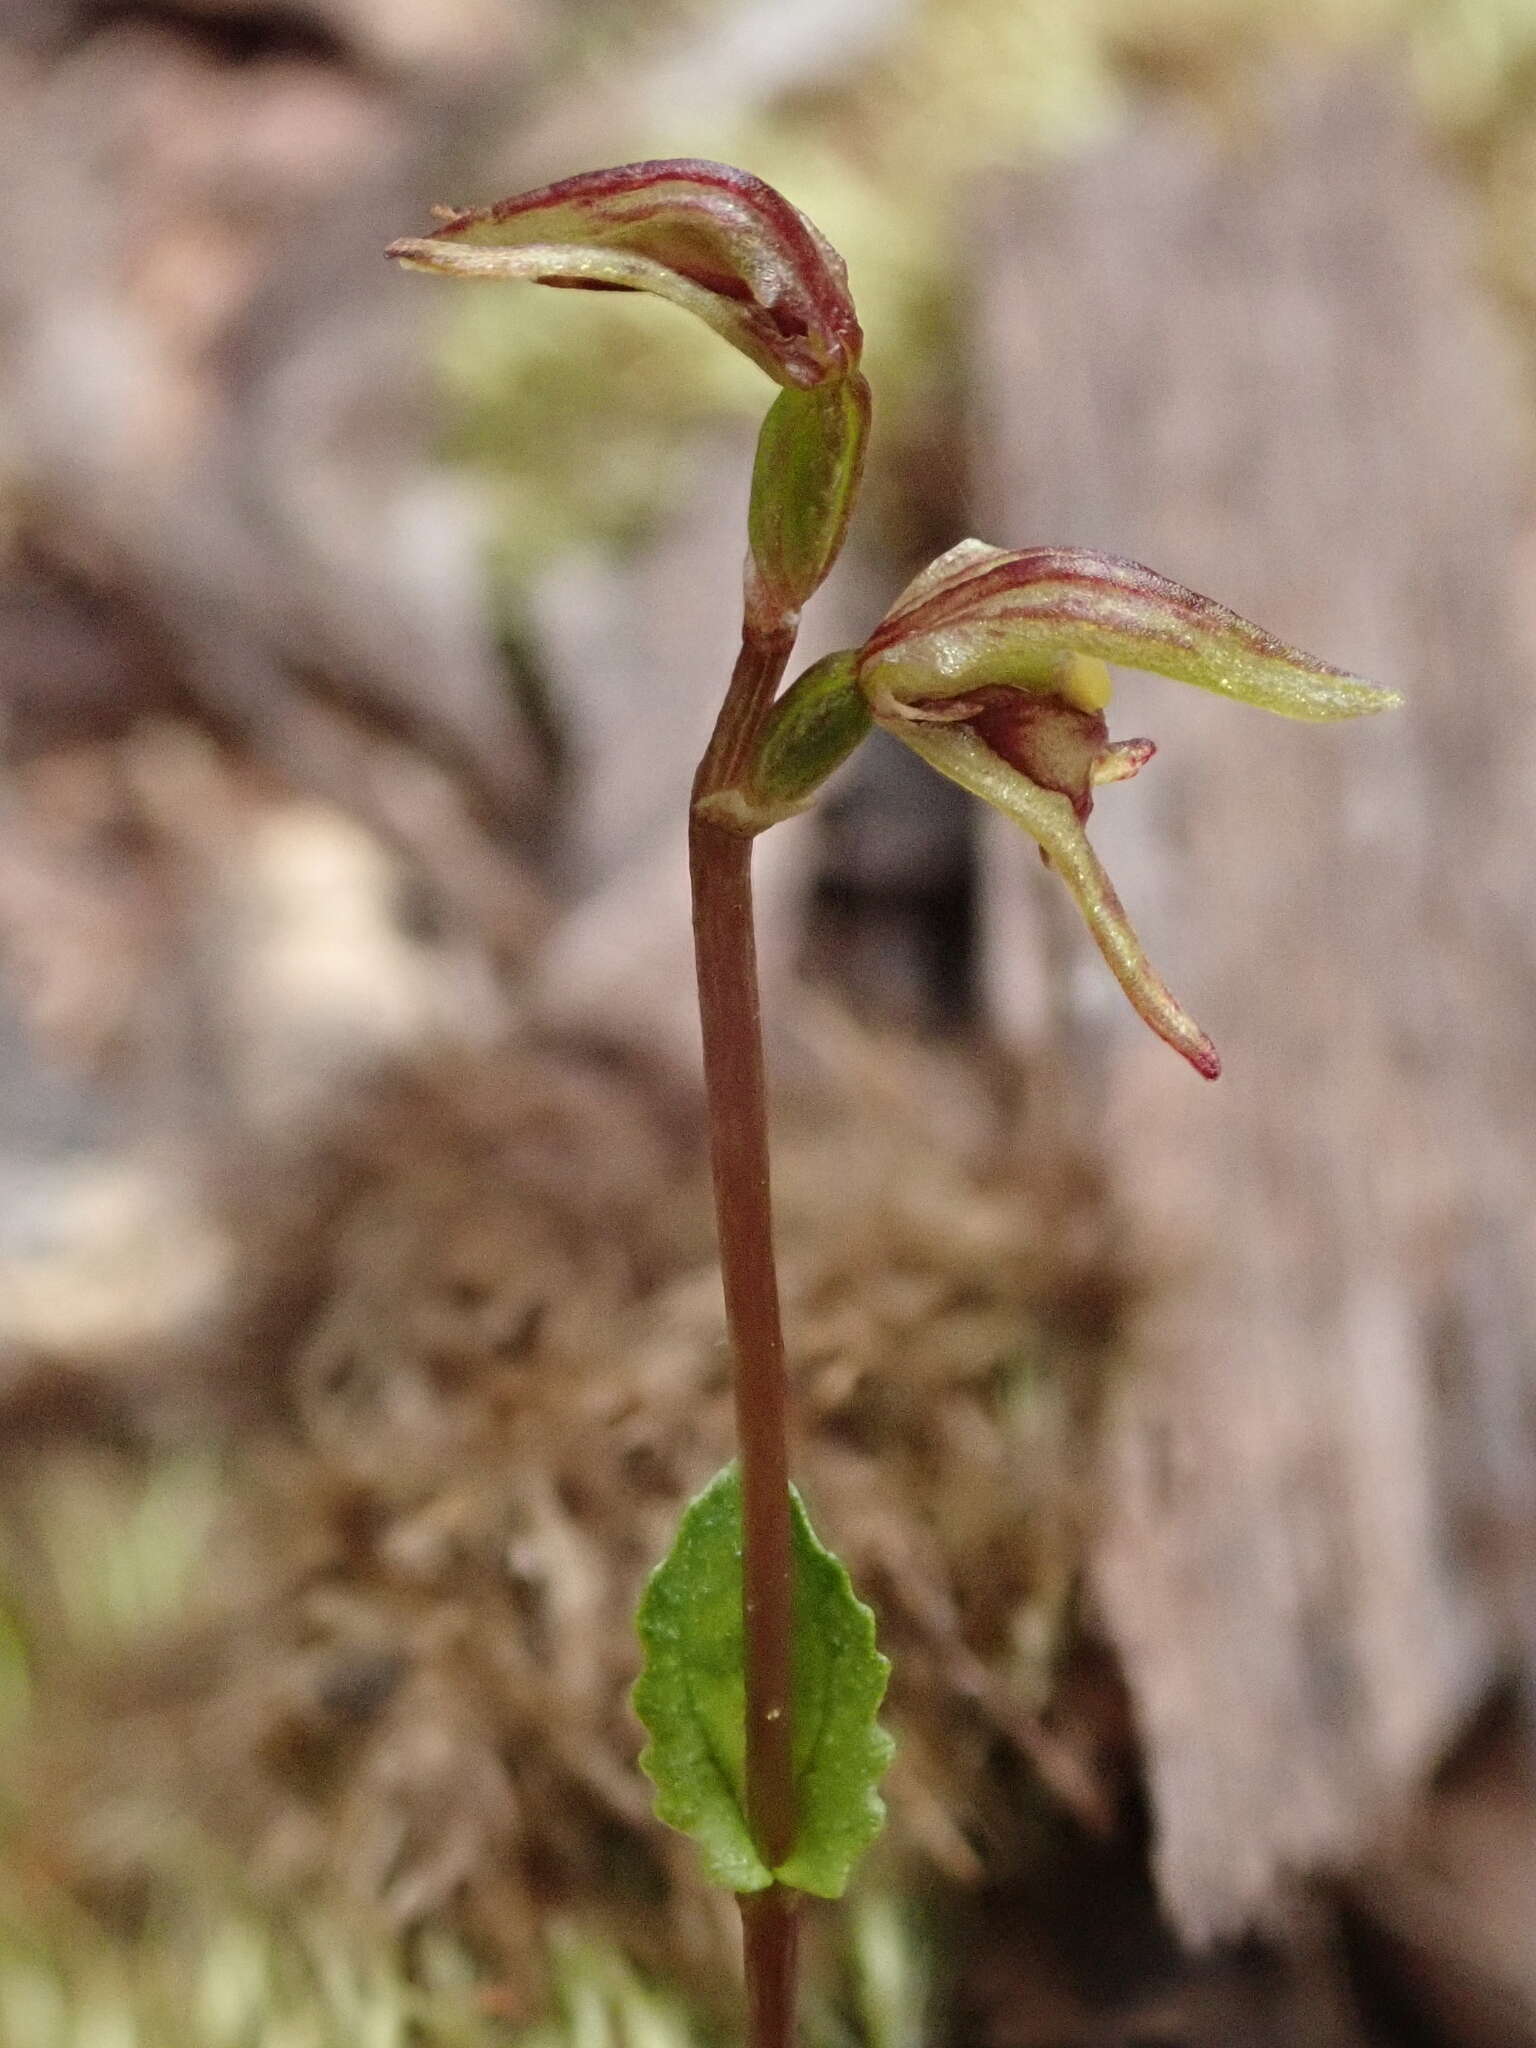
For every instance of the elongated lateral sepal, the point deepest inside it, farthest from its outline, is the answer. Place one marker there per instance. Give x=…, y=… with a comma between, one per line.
x=1050, y=819
x=706, y=236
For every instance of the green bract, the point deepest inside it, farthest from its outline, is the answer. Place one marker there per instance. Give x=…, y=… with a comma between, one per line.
x=691, y=1698
x=811, y=730
x=810, y=457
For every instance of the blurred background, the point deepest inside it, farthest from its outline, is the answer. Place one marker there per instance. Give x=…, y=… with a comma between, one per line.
x=359, y=1332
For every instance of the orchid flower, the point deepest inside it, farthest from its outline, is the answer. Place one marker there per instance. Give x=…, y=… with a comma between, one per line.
x=992, y=667
x=731, y=250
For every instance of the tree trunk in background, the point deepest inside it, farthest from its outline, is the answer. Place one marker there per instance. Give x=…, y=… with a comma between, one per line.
x=1265, y=370
x=267, y=798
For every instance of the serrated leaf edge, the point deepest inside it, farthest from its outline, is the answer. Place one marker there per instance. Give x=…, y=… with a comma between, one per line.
x=877, y=1746
x=748, y=1872
x=806, y=1868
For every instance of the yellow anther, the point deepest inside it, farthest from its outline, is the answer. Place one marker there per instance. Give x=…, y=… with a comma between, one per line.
x=1085, y=682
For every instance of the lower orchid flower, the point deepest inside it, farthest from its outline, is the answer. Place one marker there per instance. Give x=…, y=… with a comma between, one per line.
x=992, y=667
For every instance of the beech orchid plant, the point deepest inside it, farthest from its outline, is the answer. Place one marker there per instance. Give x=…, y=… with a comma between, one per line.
x=761, y=1680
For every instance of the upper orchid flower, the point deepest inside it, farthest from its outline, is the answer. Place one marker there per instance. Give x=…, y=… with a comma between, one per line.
x=992, y=666
x=707, y=236
x=727, y=247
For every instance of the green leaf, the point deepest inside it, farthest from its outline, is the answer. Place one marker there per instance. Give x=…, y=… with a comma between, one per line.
x=841, y=1751
x=15, y=1676
x=691, y=1696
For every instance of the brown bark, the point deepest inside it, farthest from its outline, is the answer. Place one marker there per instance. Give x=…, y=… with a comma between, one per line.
x=1264, y=369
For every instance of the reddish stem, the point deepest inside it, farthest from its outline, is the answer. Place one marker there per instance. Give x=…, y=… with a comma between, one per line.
x=733, y=1072
x=720, y=866
x=770, y=1929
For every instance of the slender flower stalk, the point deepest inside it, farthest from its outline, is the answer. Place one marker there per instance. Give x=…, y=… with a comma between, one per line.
x=770, y=1941
x=720, y=870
